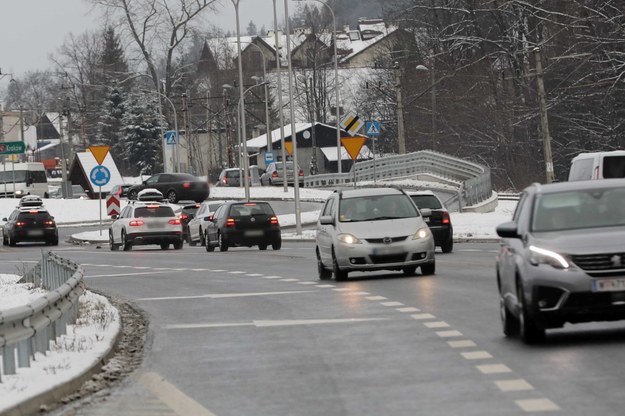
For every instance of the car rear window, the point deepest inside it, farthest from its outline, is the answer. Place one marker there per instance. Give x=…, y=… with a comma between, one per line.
x=160, y=211
x=250, y=209
x=233, y=174
x=34, y=216
x=427, y=201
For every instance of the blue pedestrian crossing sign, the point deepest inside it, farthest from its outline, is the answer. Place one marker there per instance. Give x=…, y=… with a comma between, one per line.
x=171, y=137
x=372, y=128
x=100, y=175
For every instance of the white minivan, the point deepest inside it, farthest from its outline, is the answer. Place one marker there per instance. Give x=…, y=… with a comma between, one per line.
x=19, y=179
x=598, y=165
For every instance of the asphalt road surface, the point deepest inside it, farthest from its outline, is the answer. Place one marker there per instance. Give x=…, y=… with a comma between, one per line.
x=250, y=332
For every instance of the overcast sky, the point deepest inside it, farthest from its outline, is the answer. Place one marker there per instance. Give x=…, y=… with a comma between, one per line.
x=31, y=30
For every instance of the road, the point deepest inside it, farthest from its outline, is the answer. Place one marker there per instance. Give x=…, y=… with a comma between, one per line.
x=256, y=333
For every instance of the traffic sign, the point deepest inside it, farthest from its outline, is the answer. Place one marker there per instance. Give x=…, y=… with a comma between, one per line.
x=112, y=205
x=100, y=175
x=288, y=146
x=353, y=145
x=372, y=128
x=171, y=137
x=99, y=152
x=11, y=148
x=351, y=123
x=268, y=158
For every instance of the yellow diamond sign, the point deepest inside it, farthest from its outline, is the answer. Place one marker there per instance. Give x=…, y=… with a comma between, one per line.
x=99, y=152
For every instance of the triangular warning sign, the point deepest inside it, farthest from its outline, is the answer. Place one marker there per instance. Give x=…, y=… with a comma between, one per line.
x=353, y=145
x=99, y=152
x=288, y=146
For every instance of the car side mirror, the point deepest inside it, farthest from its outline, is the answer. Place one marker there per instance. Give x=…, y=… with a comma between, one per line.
x=145, y=182
x=326, y=220
x=4, y=219
x=426, y=212
x=210, y=218
x=508, y=230
x=115, y=216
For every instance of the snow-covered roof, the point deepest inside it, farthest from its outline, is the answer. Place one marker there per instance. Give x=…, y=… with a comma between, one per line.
x=360, y=45
x=331, y=154
x=261, y=141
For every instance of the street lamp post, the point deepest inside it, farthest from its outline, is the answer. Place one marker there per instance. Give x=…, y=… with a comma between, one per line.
x=173, y=107
x=279, y=76
x=433, y=99
x=336, y=86
x=267, y=118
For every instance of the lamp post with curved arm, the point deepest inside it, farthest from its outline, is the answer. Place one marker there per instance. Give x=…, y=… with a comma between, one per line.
x=267, y=120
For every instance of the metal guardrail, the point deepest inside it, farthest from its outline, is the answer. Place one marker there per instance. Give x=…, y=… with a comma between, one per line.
x=472, y=180
x=30, y=328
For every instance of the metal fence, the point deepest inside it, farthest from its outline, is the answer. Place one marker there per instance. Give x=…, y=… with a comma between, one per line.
x=25, y=330
x=472, y=180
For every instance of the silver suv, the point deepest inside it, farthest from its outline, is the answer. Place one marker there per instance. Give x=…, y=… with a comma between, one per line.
x=370, y=229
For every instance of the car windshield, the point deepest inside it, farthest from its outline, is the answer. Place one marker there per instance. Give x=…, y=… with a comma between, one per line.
x=427, y=201
x=374, y=208
x=579, y=209
x=157, y=211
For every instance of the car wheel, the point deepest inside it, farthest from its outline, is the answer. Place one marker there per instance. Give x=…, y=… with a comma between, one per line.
x=324, y=274
x=54, y=242
x=262, y=246
x=202, y=237
x=132, y=195
x=178, y=245
x=222, y=243
x=429, y=268
x=112, y=244
x=12, y=241
x=191, y=242
x=209, y=247
x=339, y=275
x=164, y=246
x=172, y=196
x=530, y=332
x=277, y=244
x=5, y=242
x=410, y=270
x=509, y=322
x=127, y=245
x=448, y=245
x=46, y=195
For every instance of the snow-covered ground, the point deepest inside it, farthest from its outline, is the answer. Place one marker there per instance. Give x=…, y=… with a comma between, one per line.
x=89, y=339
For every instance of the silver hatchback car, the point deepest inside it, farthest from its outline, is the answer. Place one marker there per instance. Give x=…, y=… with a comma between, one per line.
x=371, y=229
x=562, y=257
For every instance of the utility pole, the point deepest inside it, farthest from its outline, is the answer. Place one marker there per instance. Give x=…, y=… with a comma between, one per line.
x=22, y=127
x=64, y=187
x=400, y=112
x=544, y=121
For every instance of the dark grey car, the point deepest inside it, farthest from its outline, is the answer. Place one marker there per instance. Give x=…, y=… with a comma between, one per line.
x=562, y=257
x=174, y=186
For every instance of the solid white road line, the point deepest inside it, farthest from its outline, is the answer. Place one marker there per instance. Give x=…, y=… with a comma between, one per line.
x=269, y=323
x=226, y=295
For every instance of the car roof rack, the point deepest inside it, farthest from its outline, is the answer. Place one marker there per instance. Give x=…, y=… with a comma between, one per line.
x=30, y=201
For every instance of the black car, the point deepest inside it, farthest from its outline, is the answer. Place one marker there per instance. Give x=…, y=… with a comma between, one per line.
x=439, y=222
x=175, y=187
x=187, y=213
x=30, y=224
x=243, y=224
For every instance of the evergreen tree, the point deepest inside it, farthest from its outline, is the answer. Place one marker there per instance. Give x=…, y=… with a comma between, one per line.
x=141, y=134
x=109, y=124
x=252, y=30
x=113, y=61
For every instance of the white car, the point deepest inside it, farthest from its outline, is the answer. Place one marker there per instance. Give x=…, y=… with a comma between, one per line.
x=371, y=229
x=146, y=222
x=198, y=225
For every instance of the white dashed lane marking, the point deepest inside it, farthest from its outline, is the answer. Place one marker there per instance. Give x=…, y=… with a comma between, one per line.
x=421, y=316
x=493, y=368
x=461, y=344
x=376, y=298
x=537, y=405
x=476, y=355
x=449, y=334
x=391, y=304
x=513, y=385
x=408, y=309
x=439, y=324
x=340, y=289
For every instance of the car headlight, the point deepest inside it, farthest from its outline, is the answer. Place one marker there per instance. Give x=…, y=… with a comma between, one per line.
x=348, y=239
x=19, y=192
x=422, y=233
x=543, y=256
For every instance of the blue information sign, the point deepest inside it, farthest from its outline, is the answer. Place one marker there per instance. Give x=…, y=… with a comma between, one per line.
x=100, y=175
x=268, y=158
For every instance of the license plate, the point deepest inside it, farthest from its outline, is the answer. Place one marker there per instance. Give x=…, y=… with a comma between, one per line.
x=253, y=233
x=35, y=233
x=608, y=285
x=381, y=251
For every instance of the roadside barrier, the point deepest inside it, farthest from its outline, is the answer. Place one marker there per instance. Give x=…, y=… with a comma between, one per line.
x=25, y=330
x=471, y=180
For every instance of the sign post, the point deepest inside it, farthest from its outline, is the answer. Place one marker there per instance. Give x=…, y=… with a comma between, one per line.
x=373, y=131
x=99, y=175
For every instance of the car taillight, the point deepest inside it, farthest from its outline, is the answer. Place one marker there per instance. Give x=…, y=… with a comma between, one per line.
x=273, y=220
x=230, y=222
x=49, y=222
x=274, y=174
x=446, y=219
x=136, y=223
x=225, y=181
x=175, y=221
x=20, y=223
x=300, y=173
x=183, y=216
x=186, y=185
